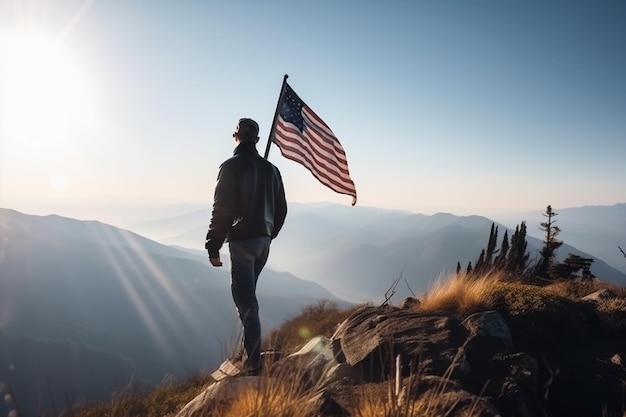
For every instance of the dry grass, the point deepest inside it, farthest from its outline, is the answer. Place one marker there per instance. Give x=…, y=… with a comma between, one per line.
x=279, y=393
x=553, y=311
x=575, y=290
x=164, y=400
x=271, y=398
x=461, y=294
x=429, y=404
x=419, y=398
x=465, y=294
x=611, y=310
x=320, y=319
x=540, y=317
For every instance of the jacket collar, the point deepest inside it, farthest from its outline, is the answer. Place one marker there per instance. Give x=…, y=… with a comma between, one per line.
x=246, y=147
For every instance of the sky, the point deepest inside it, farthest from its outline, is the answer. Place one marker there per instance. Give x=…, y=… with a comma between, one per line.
x=466, y=107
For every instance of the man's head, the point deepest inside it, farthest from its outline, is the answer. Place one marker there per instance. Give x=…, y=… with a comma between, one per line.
x=247, y=130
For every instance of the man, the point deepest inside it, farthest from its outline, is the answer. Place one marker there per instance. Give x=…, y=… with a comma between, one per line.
x=249, y=209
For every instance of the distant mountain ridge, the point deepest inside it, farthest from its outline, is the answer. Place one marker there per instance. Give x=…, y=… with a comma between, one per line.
x=129, y=303
x=71, y=290
x=598, y=230
x=357, y=252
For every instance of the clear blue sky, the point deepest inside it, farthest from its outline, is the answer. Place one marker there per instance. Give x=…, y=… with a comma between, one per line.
x=468, y=107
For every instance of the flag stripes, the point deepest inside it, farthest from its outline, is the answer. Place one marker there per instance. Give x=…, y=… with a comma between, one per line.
x=302, y=136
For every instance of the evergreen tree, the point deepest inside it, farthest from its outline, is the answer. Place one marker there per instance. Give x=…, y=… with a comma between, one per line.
x=458, y=267
x=571, y=266
x=485, y=260
x=550, y=243
x=510, y=260
x=469, y=268
x=491, y=247
x=480, y=263
x=518, y=257
x=500, y=261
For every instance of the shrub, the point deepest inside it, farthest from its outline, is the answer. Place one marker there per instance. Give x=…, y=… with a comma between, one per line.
x=575, y=290
x=539, y=317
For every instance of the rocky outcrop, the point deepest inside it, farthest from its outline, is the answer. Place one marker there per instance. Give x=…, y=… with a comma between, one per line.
x=482, y=365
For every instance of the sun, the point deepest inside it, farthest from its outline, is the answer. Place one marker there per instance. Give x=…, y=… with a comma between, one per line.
x=45, y=97
x=59, y=183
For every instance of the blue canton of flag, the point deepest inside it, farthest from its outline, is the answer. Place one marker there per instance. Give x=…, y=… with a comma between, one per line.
x=303, y=137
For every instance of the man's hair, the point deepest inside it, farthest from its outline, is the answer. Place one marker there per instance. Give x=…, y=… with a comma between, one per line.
x=247, y=130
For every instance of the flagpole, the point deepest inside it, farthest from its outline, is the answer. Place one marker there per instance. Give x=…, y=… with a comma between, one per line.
x=269, y=139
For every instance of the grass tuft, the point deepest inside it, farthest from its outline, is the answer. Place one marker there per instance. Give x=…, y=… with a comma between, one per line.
x=271, y=398
x=461, y=294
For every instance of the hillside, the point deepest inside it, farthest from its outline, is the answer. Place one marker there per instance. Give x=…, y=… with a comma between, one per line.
x=71, y=290
x=471, y=346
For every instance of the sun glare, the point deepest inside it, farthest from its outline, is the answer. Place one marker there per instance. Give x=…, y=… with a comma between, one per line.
x=45, y=97
x=59, y=183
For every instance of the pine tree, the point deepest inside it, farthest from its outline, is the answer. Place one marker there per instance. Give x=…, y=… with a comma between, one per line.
x=491, y=246
x=480, y=263
x=518, y=257
x=571, y=266
x=550, y=243
x=511, y=260
x=500, y=261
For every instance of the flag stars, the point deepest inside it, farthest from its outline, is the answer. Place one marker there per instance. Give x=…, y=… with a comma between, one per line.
x=291, y=108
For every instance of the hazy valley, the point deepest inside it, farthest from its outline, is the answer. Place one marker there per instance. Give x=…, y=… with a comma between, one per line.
x=357, y=252
x=85, y=305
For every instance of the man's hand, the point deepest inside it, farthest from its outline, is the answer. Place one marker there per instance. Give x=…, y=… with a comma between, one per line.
x=215, y=261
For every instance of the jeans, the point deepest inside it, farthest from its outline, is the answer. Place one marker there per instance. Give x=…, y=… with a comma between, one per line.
x=247, y=259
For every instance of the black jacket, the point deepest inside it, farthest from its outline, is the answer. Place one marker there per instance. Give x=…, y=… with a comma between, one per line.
x=249, y=199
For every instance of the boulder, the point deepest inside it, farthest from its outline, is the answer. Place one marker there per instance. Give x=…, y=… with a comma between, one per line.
x=489, y=325
x=489, y=364
x=371, y=338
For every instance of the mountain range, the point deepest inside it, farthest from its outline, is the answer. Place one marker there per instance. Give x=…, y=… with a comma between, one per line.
x=85, y=305
x=597, y=230
x=358, y=252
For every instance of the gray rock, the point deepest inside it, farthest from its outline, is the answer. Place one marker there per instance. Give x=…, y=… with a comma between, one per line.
x=341, y=373
x=489, y=324
x=309, y=365
x=370, y=339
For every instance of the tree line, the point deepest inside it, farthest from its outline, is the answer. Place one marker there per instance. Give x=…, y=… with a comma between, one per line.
x=512, y=257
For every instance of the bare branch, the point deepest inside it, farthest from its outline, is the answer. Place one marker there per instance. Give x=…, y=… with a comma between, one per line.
x=407, y=285
x=392, y=290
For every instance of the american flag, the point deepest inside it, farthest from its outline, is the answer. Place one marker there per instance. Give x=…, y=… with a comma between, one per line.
x=303, y=137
